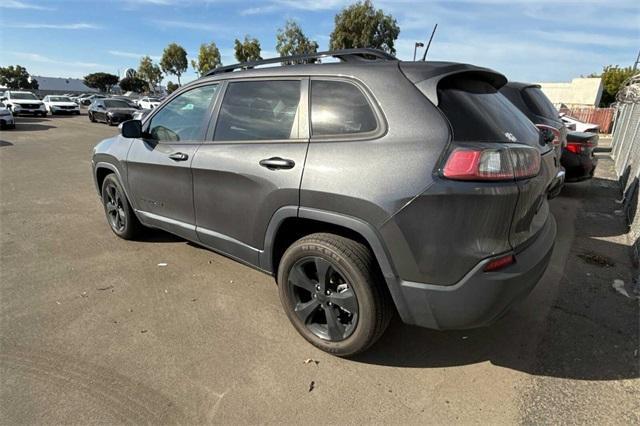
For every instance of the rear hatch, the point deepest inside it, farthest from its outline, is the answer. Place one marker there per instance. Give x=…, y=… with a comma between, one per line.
x=480, y=115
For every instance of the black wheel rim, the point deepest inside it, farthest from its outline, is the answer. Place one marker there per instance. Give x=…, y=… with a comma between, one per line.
x=323, y=299
x=115, y=208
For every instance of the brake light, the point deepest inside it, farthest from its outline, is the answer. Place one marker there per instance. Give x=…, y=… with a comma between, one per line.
x=576, y=148
x=500, y=263
x=549, y=134
x=492, y=164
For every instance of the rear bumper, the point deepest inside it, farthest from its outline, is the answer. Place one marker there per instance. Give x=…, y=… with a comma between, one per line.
x=579, y=166
x=480, y=297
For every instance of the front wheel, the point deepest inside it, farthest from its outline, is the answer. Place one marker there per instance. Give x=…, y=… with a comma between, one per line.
x=91, y=117
x=120, y=216
x=332, y=292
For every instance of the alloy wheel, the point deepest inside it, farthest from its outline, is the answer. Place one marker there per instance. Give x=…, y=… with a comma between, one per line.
x=115, y=209
x=323, y=299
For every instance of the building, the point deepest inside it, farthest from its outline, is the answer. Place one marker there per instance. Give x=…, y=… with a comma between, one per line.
x=59, y=86
x=580, y=92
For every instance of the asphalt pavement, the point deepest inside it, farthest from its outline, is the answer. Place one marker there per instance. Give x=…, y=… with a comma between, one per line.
x=94, y=329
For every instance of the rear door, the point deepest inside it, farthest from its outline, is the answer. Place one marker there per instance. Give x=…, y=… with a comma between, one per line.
x=251, y=165
x=159, y=165
x=478, y=113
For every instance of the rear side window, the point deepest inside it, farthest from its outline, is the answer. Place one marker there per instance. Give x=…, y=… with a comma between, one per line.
x=479, y=113
x=259, y=110
x=538, y=102
x=339, y=108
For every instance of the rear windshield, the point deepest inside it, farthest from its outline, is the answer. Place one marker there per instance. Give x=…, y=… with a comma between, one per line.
x=538, y=102
x=479, y=113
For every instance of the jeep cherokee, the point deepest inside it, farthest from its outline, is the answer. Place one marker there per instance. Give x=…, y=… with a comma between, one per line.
x=365, y=186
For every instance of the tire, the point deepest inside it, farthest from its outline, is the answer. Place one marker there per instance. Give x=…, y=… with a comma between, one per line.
x=352, y=296
x=120, y=217
x=91, y=117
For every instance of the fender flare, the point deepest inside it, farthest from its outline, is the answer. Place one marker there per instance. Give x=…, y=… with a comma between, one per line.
x=366, y=230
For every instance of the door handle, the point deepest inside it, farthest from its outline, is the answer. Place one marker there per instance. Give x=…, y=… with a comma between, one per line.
x=179, y=156
x=275, y=163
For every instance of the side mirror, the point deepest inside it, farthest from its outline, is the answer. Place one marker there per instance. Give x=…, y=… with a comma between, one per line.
x=131, y=129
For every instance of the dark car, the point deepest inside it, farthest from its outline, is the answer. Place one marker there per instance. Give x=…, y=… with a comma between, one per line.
x=366, y=186
x=530, y=99
x=110, y=111
x=578, y=157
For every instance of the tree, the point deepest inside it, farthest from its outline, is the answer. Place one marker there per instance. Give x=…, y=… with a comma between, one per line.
x=15, y=77
x=361, y=25
x=247, y=50
x=149, y=72
x=613, y=77
x=174, y=60
x=34, y=84
x=290, y=40
x=171, y=87
x=208, y=59
x=101, y=81
x=133, y=84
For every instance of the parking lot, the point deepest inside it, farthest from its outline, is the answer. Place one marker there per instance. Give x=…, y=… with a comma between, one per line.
x=94, y=330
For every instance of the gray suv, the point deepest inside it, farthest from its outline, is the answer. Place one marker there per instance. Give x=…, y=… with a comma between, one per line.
x=364, y=186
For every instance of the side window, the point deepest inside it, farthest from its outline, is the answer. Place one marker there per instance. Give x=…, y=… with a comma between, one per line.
x=339, y=108
x=259, y=110
x=182, y=118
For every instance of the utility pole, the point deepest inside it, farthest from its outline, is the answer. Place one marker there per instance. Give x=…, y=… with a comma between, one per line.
x=415, y=48
x=635, y=66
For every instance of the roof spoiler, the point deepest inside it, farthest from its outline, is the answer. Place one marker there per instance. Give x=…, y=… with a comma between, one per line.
x=428, y=75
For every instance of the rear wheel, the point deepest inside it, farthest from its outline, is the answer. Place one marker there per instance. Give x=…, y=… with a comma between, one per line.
x=332, y=293
x=120, y=216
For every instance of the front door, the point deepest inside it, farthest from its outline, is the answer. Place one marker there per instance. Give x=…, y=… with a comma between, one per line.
x=251, y=165
x=159, y=165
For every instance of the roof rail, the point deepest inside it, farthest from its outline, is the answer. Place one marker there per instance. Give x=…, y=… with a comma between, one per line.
x=345, y=55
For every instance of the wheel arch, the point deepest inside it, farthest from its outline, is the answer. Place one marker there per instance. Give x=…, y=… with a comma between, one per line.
x=290, y=223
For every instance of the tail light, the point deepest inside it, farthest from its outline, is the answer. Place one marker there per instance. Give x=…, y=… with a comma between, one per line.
x=499, y=263
x=492, y=164
x=576, y=148
x=550, y=135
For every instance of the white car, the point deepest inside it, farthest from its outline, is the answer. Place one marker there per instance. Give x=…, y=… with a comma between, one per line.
x=148, y=102
x=60, y=104
x=577, y=125
x=6, y=118
x=23, y=103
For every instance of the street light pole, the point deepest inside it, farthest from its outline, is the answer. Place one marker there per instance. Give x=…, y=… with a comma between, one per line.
x=415, y=48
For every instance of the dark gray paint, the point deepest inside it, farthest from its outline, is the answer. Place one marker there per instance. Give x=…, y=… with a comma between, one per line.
x=426, y=232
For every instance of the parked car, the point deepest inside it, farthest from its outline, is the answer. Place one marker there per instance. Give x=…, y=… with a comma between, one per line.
x=21, y=102
x=90, y=99
x=359, y=185
x=148, y=102
x=140, y=114
x=110, y=111
x=60, y=104
x=6, y=117
x=78, y=98
x=532, y=101
x=578, y=157
x=577, y=125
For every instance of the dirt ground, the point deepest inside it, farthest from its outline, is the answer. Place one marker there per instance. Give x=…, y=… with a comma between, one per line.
x=93, y=330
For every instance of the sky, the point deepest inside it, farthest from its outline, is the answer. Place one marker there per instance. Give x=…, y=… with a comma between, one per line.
x=535, y=41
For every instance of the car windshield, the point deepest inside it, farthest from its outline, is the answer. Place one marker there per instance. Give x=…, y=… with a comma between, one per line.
x=59, y=99
x=23, y=96
x=115, y=103
x=539, y=103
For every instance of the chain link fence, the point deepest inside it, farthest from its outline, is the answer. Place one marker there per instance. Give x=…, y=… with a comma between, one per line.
x=625, y=150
